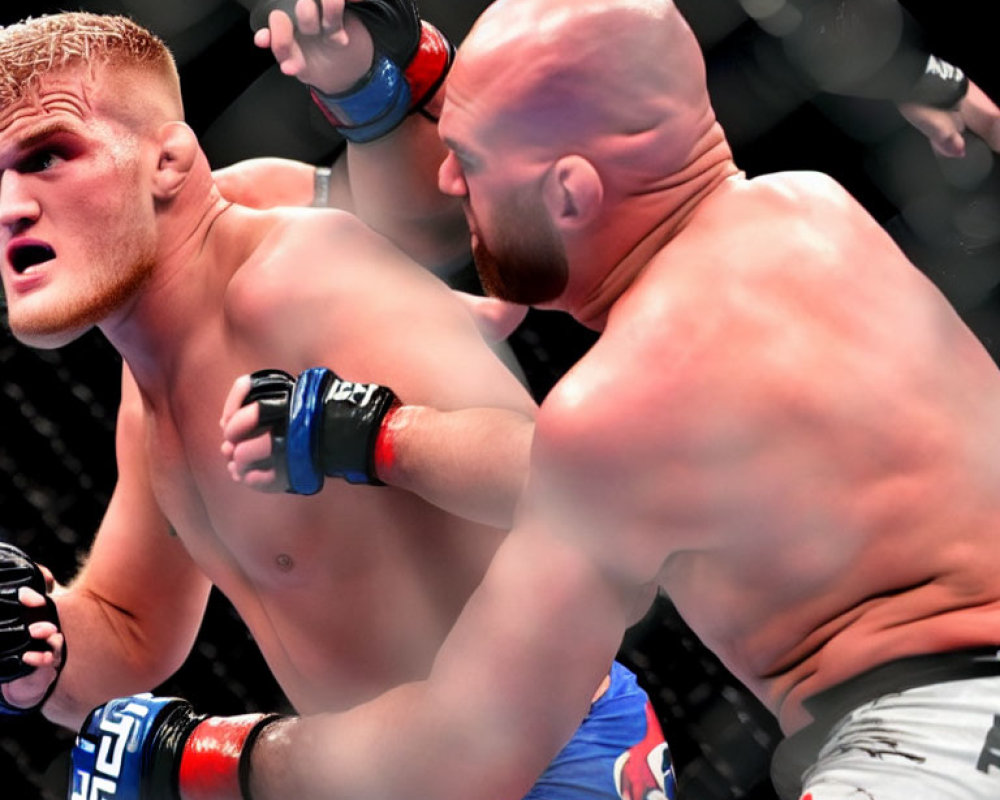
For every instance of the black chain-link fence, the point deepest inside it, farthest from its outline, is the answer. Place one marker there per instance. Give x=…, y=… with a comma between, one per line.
x=58, y=407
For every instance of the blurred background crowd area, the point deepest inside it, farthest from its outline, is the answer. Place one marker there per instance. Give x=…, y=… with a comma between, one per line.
x=58, y=407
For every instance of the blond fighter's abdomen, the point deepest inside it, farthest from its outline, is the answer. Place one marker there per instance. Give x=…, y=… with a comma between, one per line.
x=348, y=592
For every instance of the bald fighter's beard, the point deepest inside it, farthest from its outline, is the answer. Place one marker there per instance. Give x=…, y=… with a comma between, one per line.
x=527, y=262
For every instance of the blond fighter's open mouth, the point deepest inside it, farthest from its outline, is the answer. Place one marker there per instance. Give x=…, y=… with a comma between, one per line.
x=25, y=255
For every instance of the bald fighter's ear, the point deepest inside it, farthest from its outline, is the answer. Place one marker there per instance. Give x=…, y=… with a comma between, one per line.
x=178, y=149
x=573, y=192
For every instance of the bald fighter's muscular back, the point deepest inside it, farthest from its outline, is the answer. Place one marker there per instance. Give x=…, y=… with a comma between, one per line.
x=802, y=537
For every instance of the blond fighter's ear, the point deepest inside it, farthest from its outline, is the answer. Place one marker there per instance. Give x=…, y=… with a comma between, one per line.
x=178, y=150
x=573, y=192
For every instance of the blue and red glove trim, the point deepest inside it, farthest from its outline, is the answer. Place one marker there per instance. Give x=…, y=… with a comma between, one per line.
x=379, y=102
x=215, y=763
x=305, y=419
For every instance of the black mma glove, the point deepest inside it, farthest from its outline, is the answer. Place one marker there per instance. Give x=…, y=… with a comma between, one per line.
x=156, y=748
x=320, y=426
x=942, y=85
x=411, y=61
x=17, y=570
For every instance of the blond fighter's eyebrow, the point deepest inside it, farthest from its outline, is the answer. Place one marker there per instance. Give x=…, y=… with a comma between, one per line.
x=40, y=135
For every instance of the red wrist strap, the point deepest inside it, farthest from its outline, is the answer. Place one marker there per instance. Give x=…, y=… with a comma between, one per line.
x=429, y=66
x=424, y=75
x=211, y=761
x=385, y=444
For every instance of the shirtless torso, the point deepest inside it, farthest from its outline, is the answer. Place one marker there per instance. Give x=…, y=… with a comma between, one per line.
x=802, y=537
x=347, y=593
x=351, y=591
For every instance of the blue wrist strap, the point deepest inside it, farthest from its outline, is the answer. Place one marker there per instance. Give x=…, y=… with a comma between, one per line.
x=305, y=419
x=377, y=104
x=106, y=757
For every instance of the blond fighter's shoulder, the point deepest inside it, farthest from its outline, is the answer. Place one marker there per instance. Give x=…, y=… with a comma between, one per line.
x=304, y=247
x=301, y=230
x=327, y=266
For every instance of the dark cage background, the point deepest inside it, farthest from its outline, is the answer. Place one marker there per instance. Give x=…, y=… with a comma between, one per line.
x=58, y=407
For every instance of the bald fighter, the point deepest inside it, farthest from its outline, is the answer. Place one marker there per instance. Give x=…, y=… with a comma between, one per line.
x=109, y=218
x=784, y=425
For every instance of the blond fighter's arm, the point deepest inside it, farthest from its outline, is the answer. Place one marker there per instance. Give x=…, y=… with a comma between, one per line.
x=131, y=615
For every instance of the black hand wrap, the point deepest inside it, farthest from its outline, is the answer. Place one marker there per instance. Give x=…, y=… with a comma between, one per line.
x=320, y=426
x=411, y=61
x=173, y=726
x=353, y=414
x=17, y=570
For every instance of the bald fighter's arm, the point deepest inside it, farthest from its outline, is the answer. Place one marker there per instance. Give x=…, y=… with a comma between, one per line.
x=131, y=615
x=460, y=439
x=485, y=725
x=470, y=462
x=487, y=721
x=388, y=174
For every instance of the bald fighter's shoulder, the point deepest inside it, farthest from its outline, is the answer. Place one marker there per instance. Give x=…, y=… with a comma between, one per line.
x=804, y=197
x=613, y=385
x=793, y=186
x=771, y=223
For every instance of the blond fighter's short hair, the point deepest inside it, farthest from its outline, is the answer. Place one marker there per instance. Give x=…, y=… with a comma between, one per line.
x=35, y=47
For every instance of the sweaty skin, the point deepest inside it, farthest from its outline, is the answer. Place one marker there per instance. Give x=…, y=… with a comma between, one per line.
x=784, y=424
x=347, y=593
x=782, y=413
x=812, y=460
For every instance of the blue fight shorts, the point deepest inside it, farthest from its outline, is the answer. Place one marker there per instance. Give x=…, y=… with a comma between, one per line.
x=617, y=753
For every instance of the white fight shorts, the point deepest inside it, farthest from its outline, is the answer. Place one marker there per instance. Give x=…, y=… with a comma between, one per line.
x=935, y=741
